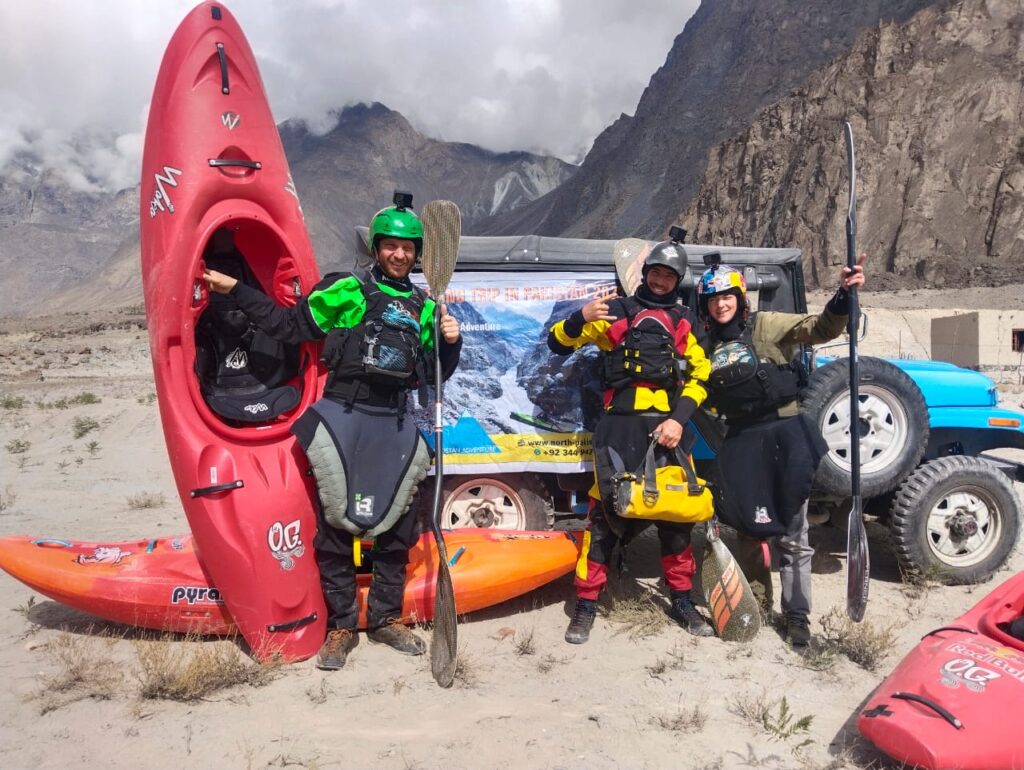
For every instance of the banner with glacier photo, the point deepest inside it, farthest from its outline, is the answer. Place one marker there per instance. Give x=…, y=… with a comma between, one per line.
x=512, y=405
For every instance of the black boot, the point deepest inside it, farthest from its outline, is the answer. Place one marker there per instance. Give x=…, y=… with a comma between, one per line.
x=582, y=621
x=397, y=636
x=335, y=649
x=686, y=615
x=798, y=630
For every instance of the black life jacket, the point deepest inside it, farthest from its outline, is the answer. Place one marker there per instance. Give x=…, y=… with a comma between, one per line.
x=243, y=372
x=384, y=348
x=745, y=386
x=647, y=352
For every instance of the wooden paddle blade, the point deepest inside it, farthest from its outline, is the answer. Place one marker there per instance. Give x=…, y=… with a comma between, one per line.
x=444, y=641
x=735, y=612
x=858, y=564
x=629, y=255
x=442, y=229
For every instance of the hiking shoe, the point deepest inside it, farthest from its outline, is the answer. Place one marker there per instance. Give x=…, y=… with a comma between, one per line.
x=335, y=649
x=798, y=631
x=582, y=621
x=686, y=615
x=398, y=636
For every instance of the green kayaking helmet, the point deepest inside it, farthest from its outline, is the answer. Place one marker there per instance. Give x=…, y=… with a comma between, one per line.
x=395, y=222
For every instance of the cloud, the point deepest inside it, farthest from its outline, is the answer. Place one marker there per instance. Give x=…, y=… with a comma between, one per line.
x=540, y=75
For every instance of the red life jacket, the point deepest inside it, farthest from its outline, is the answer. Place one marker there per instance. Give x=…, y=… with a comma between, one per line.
x=649, y=348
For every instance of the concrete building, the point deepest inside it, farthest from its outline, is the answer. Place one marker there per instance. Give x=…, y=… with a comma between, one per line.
x=990, y=341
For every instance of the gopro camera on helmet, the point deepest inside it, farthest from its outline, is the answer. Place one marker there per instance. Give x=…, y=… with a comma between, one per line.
x=402, y=200
x=713, y=259
x=677, y=234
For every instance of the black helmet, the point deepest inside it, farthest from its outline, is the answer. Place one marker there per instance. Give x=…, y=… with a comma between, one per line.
x=670, y=254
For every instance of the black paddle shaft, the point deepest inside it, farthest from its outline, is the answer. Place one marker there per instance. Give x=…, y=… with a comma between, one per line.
x=438, y=432
x=853, y=321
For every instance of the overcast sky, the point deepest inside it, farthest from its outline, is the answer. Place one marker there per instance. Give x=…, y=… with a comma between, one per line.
x=540, y=75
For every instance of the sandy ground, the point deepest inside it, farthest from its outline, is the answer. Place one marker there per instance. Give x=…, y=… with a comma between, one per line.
x=662, y=700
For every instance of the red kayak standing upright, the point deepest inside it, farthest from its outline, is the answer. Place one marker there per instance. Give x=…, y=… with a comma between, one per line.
x=216, y=190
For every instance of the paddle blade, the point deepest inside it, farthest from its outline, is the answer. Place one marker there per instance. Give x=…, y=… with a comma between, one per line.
x=444, y=641
x=735, y=613
x=442, y=229
x=629, y=255
x=858, y=564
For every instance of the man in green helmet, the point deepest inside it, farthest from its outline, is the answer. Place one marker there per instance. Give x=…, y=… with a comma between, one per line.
x=367, y=457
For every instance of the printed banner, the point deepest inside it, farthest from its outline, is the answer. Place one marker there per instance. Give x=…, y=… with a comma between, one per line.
x=513, y=405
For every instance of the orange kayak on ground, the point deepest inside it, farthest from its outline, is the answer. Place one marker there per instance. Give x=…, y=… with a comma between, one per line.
x=162, y=584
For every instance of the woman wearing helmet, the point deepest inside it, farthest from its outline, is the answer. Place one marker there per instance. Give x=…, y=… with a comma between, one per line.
x=767, y=463
x=377, y=327
x=658, y=400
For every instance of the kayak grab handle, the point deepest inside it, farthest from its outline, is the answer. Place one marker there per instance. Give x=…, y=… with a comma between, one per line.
x=225, y=87
x=276, y=627
x=932, y=705
x=204, y=491
x=950, y=628
x=218, y=162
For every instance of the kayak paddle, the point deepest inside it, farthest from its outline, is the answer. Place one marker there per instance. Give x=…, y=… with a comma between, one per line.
x=735, y=612
x=442, y=228
x=629, y=255
x=858, y=565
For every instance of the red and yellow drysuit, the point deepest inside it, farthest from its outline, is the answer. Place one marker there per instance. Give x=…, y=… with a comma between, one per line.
x=633, y=410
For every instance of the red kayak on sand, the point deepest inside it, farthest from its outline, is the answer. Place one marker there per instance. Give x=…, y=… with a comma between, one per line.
x=216, y=190
x=161, y=583
x=957, y=700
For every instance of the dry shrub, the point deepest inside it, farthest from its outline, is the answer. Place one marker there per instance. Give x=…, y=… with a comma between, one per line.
x=819, y=657
x=752, y=708
x=81, y=426
x=167, y=671
x=84, y=669
x=549, y=661
x=715, y=764
x=686, y=720
x=11, y=401
x=25, y=609
x=524, y=643
x=145, y=500
x=773, y=716
x=917, y=586
x=7, y=499
x=467, y=672
x=638, y=617
x=863, y=643
x=400, y=684
x=675, y=661
x=18, y=446
x=318, y=694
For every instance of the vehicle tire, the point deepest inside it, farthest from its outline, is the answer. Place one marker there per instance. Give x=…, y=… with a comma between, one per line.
x=893, y=425
x=957, y=518
x=515, y=501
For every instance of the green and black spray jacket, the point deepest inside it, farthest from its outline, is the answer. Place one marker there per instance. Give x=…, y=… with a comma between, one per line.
x=338, y=301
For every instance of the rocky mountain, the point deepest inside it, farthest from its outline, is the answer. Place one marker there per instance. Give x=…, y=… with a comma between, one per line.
x=733, y=58
x=60, y=248
x=346, y=175
x=937, y=112
x=54, y=237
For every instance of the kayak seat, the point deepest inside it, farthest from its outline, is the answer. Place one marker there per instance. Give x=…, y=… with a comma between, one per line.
x=245, y=376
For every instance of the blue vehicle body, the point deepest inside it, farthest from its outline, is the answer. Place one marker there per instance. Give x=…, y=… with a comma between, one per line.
x=963, y=410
